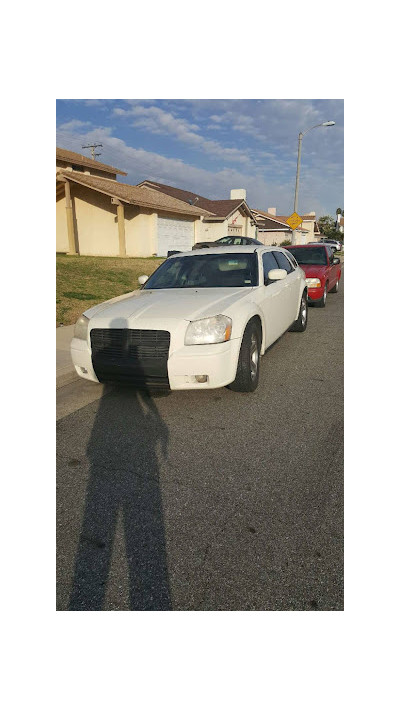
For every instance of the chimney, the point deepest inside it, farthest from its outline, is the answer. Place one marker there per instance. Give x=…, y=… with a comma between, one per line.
x=238, y=194
x=272, y=211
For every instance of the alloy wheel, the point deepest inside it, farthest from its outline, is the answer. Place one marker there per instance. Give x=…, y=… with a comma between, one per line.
x=303, y=310
x=254, y=356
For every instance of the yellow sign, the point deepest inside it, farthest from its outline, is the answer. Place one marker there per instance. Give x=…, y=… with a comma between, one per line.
x=294, y=220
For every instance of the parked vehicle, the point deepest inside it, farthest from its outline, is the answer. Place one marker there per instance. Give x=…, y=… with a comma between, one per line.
x=332, y=243
x=229, y=240
x=322, y=270
x=201, y=320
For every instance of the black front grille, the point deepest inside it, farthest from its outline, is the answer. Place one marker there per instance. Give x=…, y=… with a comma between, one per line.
x=137, y=356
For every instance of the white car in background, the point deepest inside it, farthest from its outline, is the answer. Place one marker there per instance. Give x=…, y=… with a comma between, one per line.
x=202, y=320
x=334, y=243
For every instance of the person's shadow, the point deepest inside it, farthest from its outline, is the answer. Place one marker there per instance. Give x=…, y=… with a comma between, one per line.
x=127, y=437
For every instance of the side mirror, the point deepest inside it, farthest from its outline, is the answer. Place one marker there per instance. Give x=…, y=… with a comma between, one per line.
x=276, y=274
x=336, y=260
x=142, y=279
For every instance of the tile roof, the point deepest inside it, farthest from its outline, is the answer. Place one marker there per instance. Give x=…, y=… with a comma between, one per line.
x=71, y=157
x=220, y=208
x=271, y=218
x=224, y=208
x=133, y=194
x=268, y=224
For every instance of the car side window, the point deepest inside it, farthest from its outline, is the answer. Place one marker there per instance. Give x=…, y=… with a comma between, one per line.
x=269, y=262
x=292, y=260
x=225, y=240
x=283, y=261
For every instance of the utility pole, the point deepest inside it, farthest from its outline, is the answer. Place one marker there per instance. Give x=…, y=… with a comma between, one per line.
x=296, y=191
x=93, y=147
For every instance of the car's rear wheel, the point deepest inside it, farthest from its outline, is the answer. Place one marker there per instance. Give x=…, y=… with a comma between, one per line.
x=321, y=303
x=248, y=368
x=335, y=288
x=301, y=322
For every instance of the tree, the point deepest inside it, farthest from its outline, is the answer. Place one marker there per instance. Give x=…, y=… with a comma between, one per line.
x=327, y=227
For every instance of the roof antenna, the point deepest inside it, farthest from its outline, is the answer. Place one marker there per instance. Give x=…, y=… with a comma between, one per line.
x=192, y=202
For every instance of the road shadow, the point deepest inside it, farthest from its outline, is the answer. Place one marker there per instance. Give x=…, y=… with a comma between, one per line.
x=127, y=439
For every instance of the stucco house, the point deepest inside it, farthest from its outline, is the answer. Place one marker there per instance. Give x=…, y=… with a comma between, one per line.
x=273, y=228
x=97, y=215
x=226, y=217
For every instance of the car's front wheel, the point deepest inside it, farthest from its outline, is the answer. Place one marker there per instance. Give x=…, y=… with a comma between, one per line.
x=248, y=368
x=321, y=303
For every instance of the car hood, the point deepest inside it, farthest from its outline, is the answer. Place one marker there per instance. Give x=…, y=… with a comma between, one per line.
x=149, y=308
x=314, y=270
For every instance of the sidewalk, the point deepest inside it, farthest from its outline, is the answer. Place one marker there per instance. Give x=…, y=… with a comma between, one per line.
x=65, y=371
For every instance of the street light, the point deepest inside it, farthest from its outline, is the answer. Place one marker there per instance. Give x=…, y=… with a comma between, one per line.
x=301, y=134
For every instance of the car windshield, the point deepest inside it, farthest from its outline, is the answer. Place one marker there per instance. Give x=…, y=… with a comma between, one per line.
x=206, y=270
x=309, y=255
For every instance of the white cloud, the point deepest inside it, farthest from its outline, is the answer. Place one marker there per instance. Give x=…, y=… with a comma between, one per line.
x=266, y=167
x=73, y=125
x=141, y=164
x=159, y=121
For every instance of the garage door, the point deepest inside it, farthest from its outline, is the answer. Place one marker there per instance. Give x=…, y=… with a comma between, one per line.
x=174, y=234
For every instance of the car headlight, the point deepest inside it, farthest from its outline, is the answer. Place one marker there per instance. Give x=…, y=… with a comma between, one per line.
x=313, y=283
x=81, y=328
x=216, y=329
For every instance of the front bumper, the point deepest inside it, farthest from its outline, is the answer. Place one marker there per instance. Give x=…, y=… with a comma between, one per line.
x=315, y=293
x=218, y=361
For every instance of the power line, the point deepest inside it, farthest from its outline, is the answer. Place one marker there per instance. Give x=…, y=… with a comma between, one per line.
x=93, y=147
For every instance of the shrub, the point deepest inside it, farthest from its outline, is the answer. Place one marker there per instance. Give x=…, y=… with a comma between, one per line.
x=285, y=243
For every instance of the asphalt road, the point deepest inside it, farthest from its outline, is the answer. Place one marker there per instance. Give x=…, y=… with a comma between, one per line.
x=208, y=500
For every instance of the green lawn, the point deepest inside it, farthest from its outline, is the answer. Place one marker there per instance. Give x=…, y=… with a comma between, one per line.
x=85, y=281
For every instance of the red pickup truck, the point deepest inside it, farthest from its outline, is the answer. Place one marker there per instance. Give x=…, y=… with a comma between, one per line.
x=322, y=270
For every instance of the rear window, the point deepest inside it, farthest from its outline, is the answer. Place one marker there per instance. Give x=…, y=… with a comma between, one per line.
x=309, y=255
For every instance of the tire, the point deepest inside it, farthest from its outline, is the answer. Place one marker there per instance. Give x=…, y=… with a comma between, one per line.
x=300, y=324
x=248, y=368
x=321, y=303
x=335, y=288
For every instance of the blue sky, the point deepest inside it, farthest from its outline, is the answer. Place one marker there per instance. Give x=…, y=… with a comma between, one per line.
x=211, y=146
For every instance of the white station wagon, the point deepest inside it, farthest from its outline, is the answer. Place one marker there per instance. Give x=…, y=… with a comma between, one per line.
x=202, y=320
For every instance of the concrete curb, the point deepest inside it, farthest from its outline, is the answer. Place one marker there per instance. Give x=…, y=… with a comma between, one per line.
x=66, y=378
x=65, y=371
